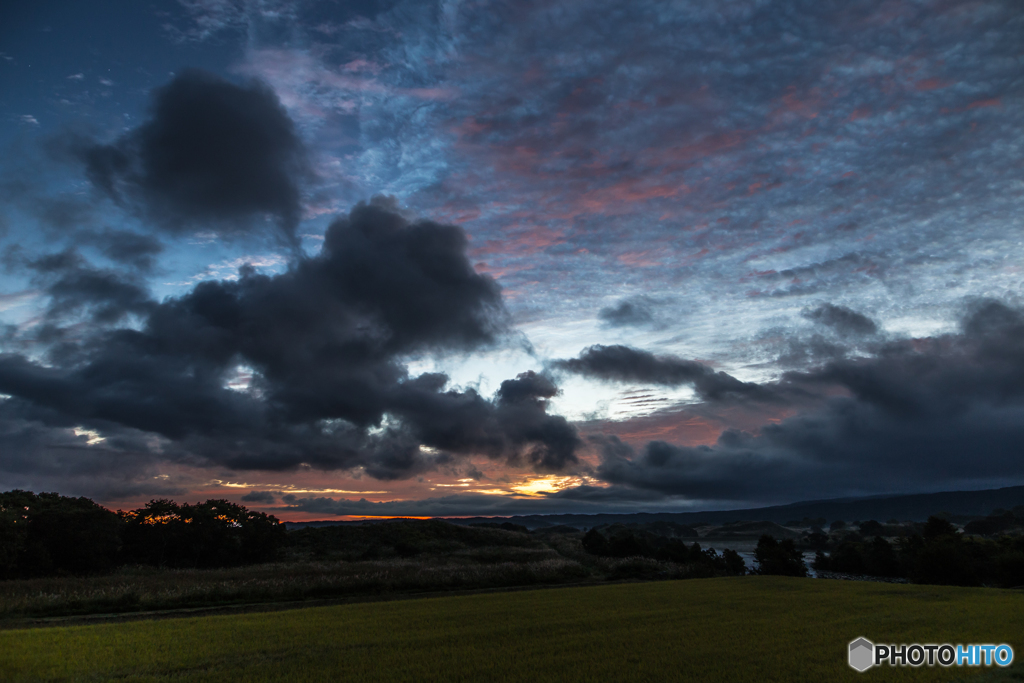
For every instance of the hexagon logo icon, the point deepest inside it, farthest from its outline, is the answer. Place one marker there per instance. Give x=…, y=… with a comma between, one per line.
x=862, y=654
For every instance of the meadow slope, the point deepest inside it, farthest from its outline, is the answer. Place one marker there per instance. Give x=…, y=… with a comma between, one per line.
x=726, y=629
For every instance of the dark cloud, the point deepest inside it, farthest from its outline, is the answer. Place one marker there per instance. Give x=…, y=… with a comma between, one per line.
x=939, y=413
x=74, y=287
x=625, y=364
x=125, y=247
x=51, y=454
x=212, y=152
x=627, y=313
x=802, y=352
x=843, y=320
x=327, y=341
x=515, y=426
x=522, y=410
x=528, y=387
x=259, y=497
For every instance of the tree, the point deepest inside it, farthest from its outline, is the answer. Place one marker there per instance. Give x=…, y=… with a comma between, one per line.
x=47, y=533
x=780, y=558
x=817, y=540
x=217, y=533
x=991, y=525
x=155, y=534
x=595, y=543
x=880, y=558
x=628, y=545
x=936, y=528
x=847, y=557
x=14, y=507
x=734, y=564
x=871, y=528
x=940, y=556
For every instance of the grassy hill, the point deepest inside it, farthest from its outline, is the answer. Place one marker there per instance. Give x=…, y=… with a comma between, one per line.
x=730, y=629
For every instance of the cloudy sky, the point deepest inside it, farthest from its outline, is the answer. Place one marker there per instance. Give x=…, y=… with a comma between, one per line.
x=405, y=257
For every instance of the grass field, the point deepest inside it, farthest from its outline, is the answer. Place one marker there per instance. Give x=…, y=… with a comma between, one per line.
x=729, y=629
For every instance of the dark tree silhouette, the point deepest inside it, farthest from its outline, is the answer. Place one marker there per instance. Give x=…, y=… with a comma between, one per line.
x=595, y=543
x=216, y=533
x=775, y=557
x=46, y=533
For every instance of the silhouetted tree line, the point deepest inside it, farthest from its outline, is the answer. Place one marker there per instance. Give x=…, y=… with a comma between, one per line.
x=631, y=543
x=996, y=523
x=46, y=533
x=939, y=554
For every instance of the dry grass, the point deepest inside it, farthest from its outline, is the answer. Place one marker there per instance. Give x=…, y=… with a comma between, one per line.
x=517, y=560
x=141, y=588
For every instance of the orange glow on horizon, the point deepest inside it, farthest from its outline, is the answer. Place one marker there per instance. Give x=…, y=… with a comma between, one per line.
x=358, y=518
x=536, y=486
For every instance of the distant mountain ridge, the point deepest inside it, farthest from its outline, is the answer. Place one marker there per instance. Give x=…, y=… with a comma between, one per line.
x=910, y=507
x=915, y=507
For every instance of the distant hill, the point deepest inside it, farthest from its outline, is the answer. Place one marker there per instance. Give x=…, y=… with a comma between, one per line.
x=290, y=526
x=915, y=507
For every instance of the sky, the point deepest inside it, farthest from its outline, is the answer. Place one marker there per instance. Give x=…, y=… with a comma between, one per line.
x=390, y=257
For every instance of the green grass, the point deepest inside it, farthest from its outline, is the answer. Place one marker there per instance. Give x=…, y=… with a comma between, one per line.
x=732, y=629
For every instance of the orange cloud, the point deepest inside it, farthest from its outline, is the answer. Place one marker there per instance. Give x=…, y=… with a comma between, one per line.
x=931, y=84
x=520, y=241
x=993, y=102
x=860, y=113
